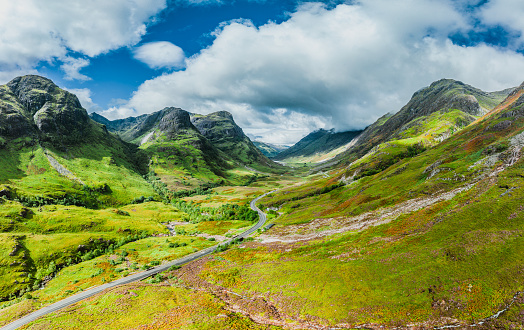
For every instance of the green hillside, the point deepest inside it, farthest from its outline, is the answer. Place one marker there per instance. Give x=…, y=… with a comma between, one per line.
x=431, y=116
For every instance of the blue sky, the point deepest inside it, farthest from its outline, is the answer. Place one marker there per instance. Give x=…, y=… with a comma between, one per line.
x=283, y=68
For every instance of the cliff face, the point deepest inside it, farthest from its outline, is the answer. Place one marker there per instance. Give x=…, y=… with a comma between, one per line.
x=33, y=105
x=220, y=128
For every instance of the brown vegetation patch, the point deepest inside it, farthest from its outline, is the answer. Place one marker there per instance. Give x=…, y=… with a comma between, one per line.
x=326, y=227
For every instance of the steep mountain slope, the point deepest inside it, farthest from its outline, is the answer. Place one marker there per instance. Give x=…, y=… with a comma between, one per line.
x=268, y=149
x=59, y=172
x=133, y=129
x=48, y=140
x=179, y=153
x=222, y=131
x=191, y=150
x=432, y=115
x=317, y=146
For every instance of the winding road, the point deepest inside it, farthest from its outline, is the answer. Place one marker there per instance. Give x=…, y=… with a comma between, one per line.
x=135, y=277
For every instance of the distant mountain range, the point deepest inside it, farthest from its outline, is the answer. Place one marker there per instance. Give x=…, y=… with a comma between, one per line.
x=269, y=149
x=318, y=146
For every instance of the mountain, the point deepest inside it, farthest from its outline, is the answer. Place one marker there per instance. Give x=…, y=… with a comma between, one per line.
x=179, y=154
x=222, y=131
x=34, y=107
x=433, y=114
x=268, y=149
x=423, y=231
x=191, y=150
x=318, y=146
x=47, y=139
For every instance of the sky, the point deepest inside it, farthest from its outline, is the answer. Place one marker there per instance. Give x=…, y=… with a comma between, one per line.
x=282, y=68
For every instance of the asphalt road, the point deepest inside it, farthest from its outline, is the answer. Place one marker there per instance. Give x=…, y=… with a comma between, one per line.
x=135, y=277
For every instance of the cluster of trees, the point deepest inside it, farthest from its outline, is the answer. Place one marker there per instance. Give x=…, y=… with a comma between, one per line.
x=225, y=212
x=157, y=184
x=88, y=201
x=204, y=189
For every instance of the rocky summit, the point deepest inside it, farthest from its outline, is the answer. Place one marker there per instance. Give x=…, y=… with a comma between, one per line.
x=33, y=106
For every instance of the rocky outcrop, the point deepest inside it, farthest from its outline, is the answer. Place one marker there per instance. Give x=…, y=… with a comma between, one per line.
x=12, y=122
x=34, y=106
x=175, y=121
x=222, y=131
x=64, y=118
x=218, y=126
x=32, y=91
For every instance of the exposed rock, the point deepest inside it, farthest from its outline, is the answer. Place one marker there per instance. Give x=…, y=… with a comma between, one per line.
x=5, y=192
x=34, y=106
x=499, y=126
x=174, y=121
x=64, y=118
x=218, y=126
x=17, y=247
x=222, y=131
x=33, y=91
x=25, y=212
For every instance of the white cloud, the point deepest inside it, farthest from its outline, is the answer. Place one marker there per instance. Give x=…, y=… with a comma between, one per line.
x=34, y=30
x=342, y=67
x=72, y=67
x=161, y=54
x=507, y=13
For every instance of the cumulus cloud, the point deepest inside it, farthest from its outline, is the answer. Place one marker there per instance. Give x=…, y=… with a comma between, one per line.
x=161, y=54
x=72, y=67
x=342, y=67
x=506, y=13
x=34, y=30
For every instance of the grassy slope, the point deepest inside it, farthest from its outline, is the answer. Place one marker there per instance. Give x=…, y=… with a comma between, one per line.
x=137, y=255
x=168, y=307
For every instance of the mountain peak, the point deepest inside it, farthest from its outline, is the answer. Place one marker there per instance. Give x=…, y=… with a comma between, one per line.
x=175, y=120
x=222, y=113
x=31, y=100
